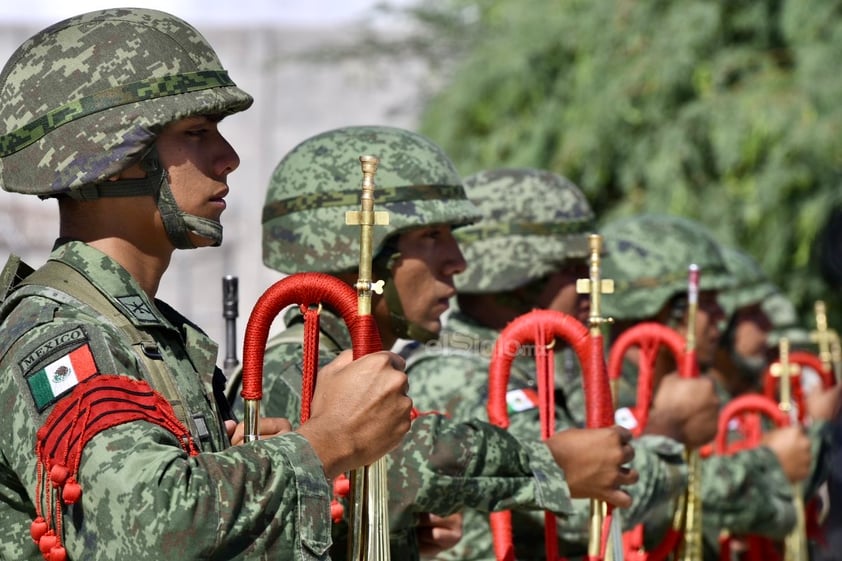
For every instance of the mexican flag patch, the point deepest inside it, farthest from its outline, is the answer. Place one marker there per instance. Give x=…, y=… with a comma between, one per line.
x=61, y=376
x=521, y=400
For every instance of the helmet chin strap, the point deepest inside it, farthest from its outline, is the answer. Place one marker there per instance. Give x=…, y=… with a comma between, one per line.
x=177, y=223
x=402, y=327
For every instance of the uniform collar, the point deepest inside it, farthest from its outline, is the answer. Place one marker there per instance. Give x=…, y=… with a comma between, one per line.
x=110, y=278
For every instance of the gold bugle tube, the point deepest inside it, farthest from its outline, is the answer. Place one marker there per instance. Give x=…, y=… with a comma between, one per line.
x=690, y=508
x=368, y=538
x=795, y=543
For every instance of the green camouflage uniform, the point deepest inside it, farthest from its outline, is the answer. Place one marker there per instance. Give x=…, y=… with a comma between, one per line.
x=104, y=84
x=752, y=287
x=441, y=465
x=647, y=256
x=142, y=494
x=542, y=219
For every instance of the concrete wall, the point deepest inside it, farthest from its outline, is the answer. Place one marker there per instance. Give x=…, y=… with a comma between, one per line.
x=294, y=99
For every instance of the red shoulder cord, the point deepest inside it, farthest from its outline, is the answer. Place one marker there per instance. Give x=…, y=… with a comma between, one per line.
x=650, y=338
x=309, y=291
x=96, y=404
x=542, y=328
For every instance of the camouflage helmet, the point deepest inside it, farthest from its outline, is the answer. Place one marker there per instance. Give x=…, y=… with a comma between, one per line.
x=785, y=322
x=533, y=220
x=751, y=285
x=648, y=257
x=319, y=180
x=84, y=98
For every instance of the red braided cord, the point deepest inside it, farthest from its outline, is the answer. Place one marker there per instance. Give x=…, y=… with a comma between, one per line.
x=501, y=525
x=309, y=291
x=94, y=405
x=545, y=378
x=648, y=337
x=747, y=403
x=311, y=359
x=803, y=359
x=545, y=374
x=690, y=366
x=304, y=289
x=542, y=327
x=759, y=548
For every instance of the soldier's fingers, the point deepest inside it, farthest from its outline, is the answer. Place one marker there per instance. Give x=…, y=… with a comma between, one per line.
x=627, y=476
x=625, y=434
x=618, y=498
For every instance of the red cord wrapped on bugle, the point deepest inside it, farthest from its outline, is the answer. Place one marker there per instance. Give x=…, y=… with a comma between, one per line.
x=539, y=329
x=745, y=411
x=368, y=538
x=651, y=339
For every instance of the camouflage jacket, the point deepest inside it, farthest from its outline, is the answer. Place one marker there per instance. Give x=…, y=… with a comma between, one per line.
x=441, y=466
x=452, y=376
x=143, y=496
x=743, y=493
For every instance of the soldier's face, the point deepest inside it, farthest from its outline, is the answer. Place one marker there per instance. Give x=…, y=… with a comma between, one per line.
x=423, y=274
x=198, y=160
x=560, y=294
x=751, y=331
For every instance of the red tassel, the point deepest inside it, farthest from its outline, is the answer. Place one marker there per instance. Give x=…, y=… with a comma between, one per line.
x=341, y=486
x=336, y=511
x=47, y=542
x=71, y=492
x=38, y=528
x=58, y=475
x=58, y=553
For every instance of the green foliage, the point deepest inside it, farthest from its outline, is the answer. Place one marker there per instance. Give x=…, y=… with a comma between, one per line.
x=724, y=112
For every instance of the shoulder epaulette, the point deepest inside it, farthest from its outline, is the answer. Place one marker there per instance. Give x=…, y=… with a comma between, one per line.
x=14, y=271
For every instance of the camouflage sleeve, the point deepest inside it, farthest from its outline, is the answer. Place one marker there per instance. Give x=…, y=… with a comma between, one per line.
x=747, y=493
x=820, y=435
x=663, y=477
x=265, y=498
x=443, y=466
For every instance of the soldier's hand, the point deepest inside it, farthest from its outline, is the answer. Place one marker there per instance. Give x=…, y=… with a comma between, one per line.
x=359, y=410
x=685, y=409
x=438, y=533
x=269, y=427
x=594, y=461
x=793, y=450
x=823, y=404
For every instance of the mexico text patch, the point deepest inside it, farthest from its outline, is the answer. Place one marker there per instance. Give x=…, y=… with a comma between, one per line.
x=60, y=375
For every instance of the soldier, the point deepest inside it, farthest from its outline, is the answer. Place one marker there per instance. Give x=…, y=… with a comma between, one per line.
x=758, y=315
x=527, y=253
x=441, y=465
x=648, y=258
x=114, y=445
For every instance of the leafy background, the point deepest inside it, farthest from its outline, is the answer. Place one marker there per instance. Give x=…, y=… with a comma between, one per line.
x=726, y=112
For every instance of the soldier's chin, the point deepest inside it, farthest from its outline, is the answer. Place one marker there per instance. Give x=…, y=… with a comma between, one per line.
x=434, y=327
